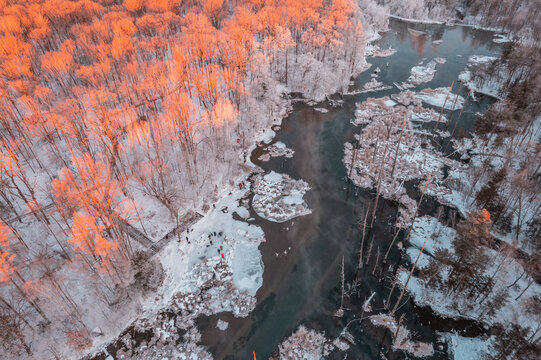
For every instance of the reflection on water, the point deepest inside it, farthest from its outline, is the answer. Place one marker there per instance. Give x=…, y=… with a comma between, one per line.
x=302, y=256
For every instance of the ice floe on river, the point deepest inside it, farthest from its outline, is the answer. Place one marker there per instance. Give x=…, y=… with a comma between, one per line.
x=421, y=74
x=279, y=198
x=440, y=60
x=372, y=86
x=275, y=150
x=441, y=97
x=222, y=325
x=321, y=110
x=305, y=344
x=373, y=50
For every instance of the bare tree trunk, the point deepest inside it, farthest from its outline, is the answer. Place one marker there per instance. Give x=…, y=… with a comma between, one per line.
x=8, y=305
x=370, y=250
x=32, y=303
x=362, y=239
x=420, y=252
x=342, y=298
x=395, y=281
x=519, y=217
x=409, y=277
x=340, y=311
x=456, y=123
x=443, y=106
x=391, y=244
x=398, y=144
x=526, y=288
x=353, y=162
x=376, y=263
x=380, y=175
x=492, y=278
x=518, y=278
x=398, y=327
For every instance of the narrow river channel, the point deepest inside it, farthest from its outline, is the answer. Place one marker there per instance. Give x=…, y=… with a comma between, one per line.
x=302, y=257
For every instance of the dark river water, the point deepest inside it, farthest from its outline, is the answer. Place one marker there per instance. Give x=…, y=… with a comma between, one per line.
x=303, y=286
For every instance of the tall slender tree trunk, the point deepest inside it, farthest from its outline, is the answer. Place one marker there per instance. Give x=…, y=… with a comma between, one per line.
x=443, y=106
x=30, y=301
x=8, y=305
x=380, y=176
x=362, y=239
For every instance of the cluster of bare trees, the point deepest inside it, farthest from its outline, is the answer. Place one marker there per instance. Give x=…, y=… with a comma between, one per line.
x=511, y=191
x=104, y=105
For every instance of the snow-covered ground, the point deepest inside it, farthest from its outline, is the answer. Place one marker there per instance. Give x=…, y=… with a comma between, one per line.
x=237, y=241
x=492, y=85
x=437, y=235
x=278, y=197
x=463, y=348
x=488, y=153
x=456, y=305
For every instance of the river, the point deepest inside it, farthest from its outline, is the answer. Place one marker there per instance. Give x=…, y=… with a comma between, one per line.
x=302, y=257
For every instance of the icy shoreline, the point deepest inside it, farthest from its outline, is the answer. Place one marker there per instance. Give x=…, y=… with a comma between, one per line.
x=236, y=286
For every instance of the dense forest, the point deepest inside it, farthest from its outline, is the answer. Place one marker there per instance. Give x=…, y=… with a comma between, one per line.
x=119, y=116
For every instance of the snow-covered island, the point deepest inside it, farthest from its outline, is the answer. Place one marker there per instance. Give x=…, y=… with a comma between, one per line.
x=278, y=197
